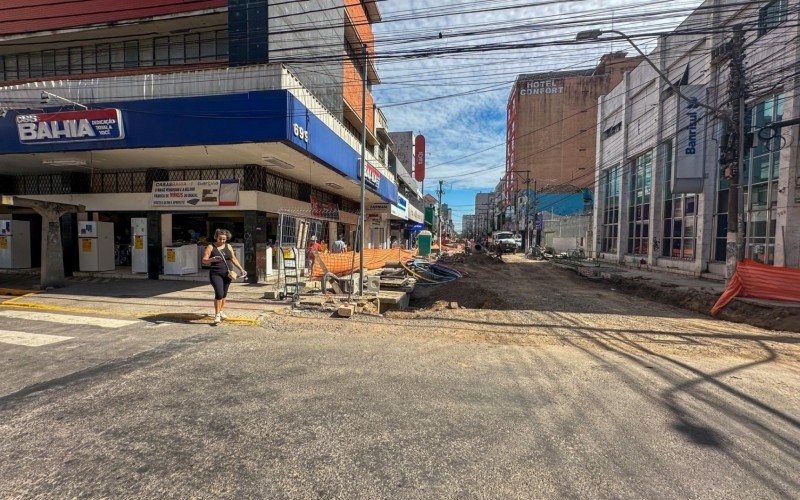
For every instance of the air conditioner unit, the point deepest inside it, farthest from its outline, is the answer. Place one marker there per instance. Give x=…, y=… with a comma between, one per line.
x=271, y=161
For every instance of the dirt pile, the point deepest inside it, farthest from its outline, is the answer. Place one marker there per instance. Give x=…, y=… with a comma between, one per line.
x=468, y=293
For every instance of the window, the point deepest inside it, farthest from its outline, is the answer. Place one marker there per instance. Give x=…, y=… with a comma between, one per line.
x=222, y=44
x=208, y=46
x=176, y=50
x=103, y=53
x=161, y=51
x=117, y=52
x=192, y=48
x=75, y=60
x=34, y=65
x=771, y=15
x=131, y=54
x=11, y=67
x=105, y=57
x=760, y=182
x=679, y=215
x=610, y=214
x=639, y=204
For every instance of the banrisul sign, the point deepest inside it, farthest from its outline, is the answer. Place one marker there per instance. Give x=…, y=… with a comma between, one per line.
x=71, y=126
x=689, y=170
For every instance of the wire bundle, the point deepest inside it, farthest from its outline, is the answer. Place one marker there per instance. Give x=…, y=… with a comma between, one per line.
x=428, y=273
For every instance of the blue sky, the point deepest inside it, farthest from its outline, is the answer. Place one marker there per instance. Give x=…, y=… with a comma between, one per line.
x=459, y=101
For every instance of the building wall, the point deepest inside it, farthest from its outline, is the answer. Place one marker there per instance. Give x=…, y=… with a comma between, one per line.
x=19, y=16
x=404, y=148
x=647, y=111
x=308, y=38
x=552, y=121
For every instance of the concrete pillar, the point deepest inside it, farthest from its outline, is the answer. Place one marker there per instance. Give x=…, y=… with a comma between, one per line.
x=52, y=268
x=154, y=244
x=622, y=234
x=255, y=237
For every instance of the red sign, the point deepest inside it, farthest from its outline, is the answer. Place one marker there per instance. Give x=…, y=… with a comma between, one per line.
x=419, y=158
x=372, y=176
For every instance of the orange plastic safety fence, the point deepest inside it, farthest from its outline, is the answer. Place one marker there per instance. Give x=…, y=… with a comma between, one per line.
x=760, y=281
x=343, y=263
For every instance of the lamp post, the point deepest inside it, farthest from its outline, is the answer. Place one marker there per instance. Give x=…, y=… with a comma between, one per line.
x=735, y=121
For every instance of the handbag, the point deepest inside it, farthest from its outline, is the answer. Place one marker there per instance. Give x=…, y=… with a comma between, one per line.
x=231, y=275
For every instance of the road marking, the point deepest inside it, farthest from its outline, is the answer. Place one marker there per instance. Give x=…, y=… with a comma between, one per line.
x=29, y=339
x=68, y=319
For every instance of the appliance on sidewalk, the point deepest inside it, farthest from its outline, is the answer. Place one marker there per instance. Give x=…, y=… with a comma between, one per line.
x=238, y=251
x=139, y=244
x=180, y=259
x=95, y=246
x=15, y=244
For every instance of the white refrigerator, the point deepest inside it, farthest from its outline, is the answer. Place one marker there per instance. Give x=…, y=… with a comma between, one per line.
x=15, y=244
x=95, y=246
x=139, y=244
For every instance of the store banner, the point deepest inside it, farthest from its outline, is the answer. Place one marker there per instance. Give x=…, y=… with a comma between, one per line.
x=324, y=210
x=198, y=193
x=70, y=126
x=688, y=172
x=415, y=214
x=400, y=209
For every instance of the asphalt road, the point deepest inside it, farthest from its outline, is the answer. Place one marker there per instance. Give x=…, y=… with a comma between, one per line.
x=589, y=394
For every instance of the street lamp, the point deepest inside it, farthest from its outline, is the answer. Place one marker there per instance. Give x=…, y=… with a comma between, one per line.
x=588, y=35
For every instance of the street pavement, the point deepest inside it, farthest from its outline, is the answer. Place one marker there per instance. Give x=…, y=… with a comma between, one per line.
x=590, y=394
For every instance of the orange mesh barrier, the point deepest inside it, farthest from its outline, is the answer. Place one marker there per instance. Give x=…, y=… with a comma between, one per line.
x=760, y=281
x=342, y=263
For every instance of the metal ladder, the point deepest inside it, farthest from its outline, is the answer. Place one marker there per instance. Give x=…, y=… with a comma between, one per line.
x=291, y=273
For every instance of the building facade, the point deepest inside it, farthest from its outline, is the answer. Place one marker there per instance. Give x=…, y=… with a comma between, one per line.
x=550, y=140
x=662, y=197
x=154, y=112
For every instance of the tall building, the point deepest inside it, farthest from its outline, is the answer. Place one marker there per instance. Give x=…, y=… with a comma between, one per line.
x=192, y=115
x=550, y=134
x=483, y=217
x=468, y=225
x=661, y=195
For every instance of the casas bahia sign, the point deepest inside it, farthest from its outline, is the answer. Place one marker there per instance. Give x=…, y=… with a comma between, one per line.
x=70, y=126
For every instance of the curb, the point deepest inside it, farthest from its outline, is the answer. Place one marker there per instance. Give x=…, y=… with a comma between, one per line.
x=183, y=317
x=18, y=292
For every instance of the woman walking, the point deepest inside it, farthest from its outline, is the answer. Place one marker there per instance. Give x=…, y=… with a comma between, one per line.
x=219, y=255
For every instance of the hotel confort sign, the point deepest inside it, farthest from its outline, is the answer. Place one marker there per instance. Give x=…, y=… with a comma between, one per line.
x=542, y=87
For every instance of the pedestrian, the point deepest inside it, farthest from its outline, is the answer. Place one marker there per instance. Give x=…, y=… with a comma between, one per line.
x=312, y=247
x=339, y=246
x=219, y=255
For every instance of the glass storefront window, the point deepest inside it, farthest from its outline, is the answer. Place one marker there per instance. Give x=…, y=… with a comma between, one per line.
x=639, y=204
x=678, y=214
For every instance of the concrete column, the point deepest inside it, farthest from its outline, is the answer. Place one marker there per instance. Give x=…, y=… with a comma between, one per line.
x=255, y=236
x=622, y=234
x=595, y=243
x=69, y=243
x=52, y=269
x=154, y=245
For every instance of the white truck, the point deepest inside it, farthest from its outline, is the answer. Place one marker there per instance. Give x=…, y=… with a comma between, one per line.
x=503, y=242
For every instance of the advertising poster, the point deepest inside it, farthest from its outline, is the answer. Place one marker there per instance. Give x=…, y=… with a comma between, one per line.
x=198, y=193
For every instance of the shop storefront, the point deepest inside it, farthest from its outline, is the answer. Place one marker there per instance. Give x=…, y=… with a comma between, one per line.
x=157, y=178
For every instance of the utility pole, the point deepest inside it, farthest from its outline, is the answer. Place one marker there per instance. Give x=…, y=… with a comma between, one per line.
x=528, y=195
x=733, y=155
x=536, y=213
x=441, y=243
x=361, y=221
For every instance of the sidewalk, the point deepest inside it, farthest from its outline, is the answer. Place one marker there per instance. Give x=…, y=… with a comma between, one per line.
x=696, y=294
x=150, y=300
